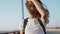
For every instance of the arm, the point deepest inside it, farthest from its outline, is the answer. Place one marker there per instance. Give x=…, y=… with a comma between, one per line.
x=39, y=7
x=41, y=10
x=21, y=27
x=21, y=31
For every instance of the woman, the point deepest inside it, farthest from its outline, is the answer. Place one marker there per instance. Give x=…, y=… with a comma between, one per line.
x=35, y=10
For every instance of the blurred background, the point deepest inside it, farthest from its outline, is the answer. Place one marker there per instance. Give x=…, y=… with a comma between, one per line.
x=11, y=15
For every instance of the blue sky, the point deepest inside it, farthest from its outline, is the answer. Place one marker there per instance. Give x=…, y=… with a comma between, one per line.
x=11, y=13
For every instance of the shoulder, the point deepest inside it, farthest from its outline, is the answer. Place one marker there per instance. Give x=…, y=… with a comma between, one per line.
x=26, y=18
x=21, y=25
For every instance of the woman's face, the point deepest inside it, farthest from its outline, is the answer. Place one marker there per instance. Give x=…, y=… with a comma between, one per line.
x=32, y=9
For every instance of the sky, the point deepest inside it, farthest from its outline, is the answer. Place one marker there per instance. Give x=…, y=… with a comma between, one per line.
x=11, y=13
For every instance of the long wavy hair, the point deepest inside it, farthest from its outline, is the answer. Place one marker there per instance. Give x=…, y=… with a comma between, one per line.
x=32, y=9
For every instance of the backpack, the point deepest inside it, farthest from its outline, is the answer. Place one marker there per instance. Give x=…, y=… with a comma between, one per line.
x=40, y=22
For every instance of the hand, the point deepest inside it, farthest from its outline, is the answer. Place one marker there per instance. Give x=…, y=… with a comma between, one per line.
x=33, y=0
x=28, y=0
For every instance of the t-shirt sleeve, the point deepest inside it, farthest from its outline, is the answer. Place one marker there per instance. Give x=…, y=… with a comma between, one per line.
x=21, y=25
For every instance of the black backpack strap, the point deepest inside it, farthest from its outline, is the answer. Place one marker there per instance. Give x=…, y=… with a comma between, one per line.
x=25, y=23
x=40, y=22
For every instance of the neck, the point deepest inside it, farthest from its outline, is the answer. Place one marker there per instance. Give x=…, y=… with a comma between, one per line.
x=31, y=16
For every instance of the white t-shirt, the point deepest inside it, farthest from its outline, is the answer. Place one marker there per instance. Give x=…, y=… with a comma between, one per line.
x=32, y=27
